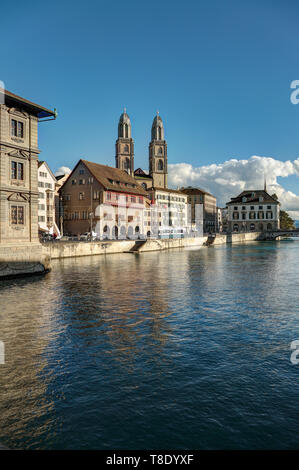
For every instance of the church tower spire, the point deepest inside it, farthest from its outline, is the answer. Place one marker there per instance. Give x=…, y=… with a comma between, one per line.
x=158, y=154
x=124, y=146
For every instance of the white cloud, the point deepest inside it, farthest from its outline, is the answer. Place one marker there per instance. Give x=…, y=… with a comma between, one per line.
x=63, y=170
x=228, y=179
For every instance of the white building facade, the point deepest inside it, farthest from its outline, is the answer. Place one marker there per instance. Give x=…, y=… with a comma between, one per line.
x=253, y=211
x=46, y=199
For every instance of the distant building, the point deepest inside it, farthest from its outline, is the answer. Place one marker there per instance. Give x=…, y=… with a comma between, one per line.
x=199, y=196
x=60, y=180
x=124, y=153
x=46, y=199
x=224, y=220
x=120, y=202
x=101, y=199
x=19, y=168
x=219, y=219
x=171, y=211
x=253, y=211
x=157, y=177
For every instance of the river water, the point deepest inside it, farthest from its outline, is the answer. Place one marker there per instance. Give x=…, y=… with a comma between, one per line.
x=184, y=349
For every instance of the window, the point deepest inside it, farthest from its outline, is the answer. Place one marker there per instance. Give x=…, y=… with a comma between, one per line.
x=81, y=172
x=133, y=199
x=140, y=200
x=14, y=170
x=17, y=215
x=108, y=196
x=126, y=130
x=74, y=182
x=41, y=218
x=48, y=185
x=235, y=208
x=13, y=127
x=81, y=196
x=17, y=171
x=41, y=195
x=20, y=129
x=160, y=165
x=82, y=181
x=41, y=207
x=41, y=184
x=17, y=128
x=127, y=164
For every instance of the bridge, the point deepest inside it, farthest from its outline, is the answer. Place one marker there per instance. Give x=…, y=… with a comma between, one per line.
x=273, y=234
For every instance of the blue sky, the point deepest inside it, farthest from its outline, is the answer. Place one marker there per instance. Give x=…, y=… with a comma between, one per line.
x=219, y=72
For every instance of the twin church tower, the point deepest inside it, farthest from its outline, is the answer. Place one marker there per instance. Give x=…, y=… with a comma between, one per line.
x=124, y=153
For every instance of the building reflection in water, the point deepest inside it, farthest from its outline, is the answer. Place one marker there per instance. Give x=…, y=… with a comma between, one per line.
x=122, y=303
x=25, y=319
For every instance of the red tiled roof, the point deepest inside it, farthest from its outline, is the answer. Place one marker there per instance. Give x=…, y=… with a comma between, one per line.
x=106, y=174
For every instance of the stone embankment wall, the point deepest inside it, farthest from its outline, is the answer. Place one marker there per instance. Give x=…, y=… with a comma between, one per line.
x=19, y=260
x=59, y=250
x=220, y=239
x=22, y=259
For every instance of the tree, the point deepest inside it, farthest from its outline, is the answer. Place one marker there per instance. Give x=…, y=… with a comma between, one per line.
x=286, y=222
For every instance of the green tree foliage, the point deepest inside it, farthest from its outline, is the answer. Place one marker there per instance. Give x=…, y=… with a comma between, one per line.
x=286, y=222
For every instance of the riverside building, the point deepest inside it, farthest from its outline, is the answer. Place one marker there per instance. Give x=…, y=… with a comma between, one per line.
x=104, y=200
x=253, y=211
x=146, y=207
x=197, y=196
x=19, y=153
x=46, y=199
